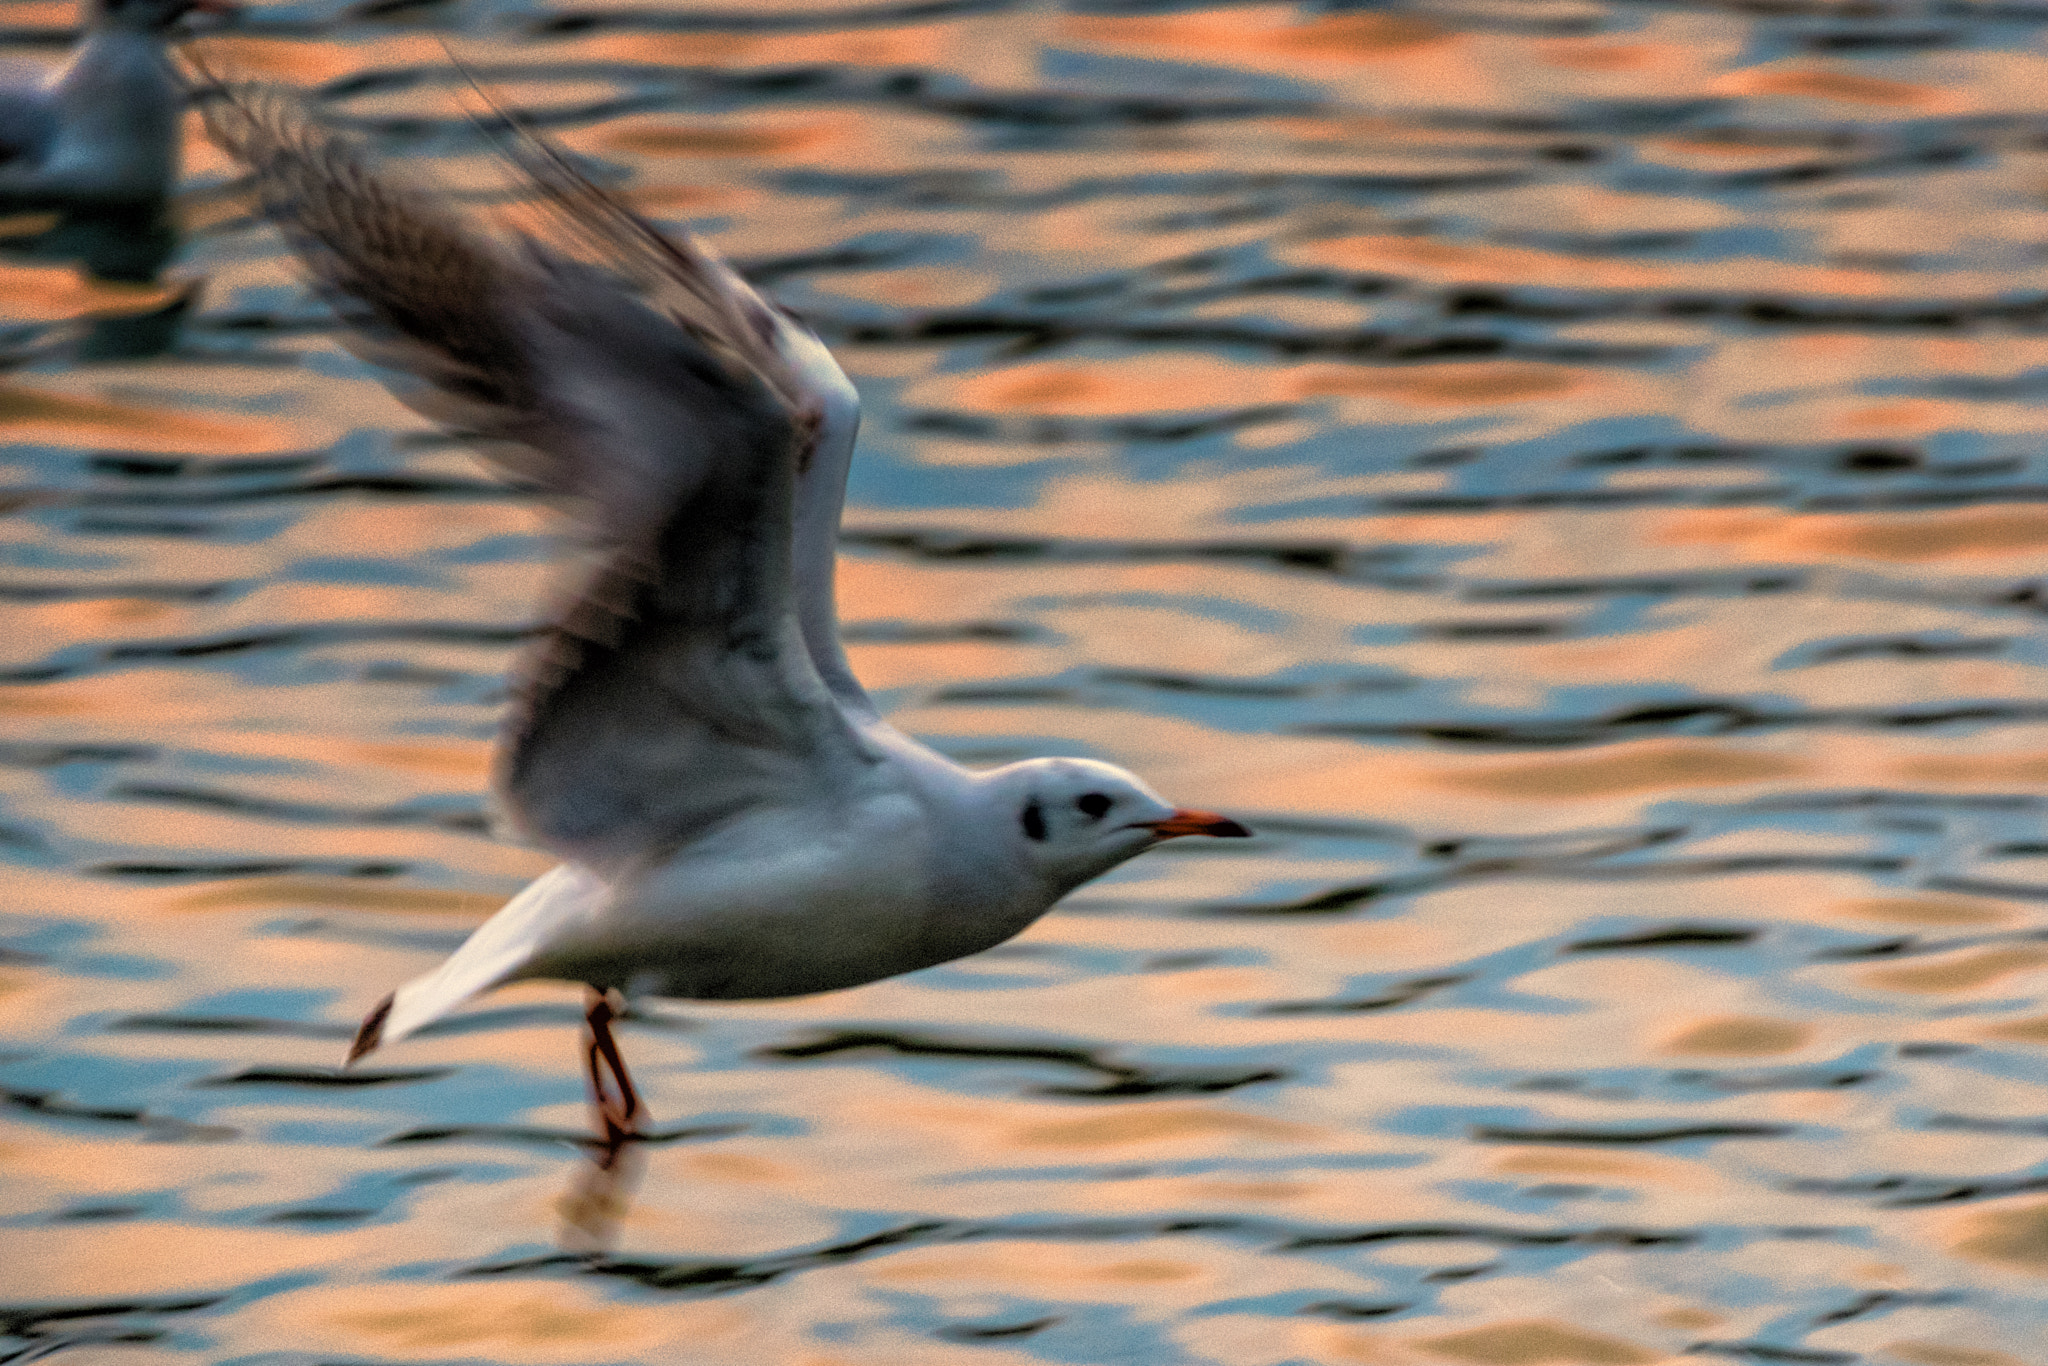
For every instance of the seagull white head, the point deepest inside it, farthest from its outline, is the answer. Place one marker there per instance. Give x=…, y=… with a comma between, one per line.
x=1075, y=819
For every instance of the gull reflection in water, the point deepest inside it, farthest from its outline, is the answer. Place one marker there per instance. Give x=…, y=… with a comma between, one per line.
x=125, y=244
x=599, y=1196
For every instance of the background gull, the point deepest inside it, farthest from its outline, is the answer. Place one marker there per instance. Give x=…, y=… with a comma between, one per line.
x=104, y=130
x=736, y=820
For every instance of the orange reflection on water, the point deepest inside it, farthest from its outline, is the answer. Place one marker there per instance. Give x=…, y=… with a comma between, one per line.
x=1533, y=1341
x=83, y=1166
x=1936, y=534
x=1156, y=383
x=1184, y=383
x=519, y=1321
x=2031, y=1030
x=937, y=45
x=754, y=138
x=279, y=893
x=2027, y=768
x=46, y=293
x=1266, y=31
x=1966, y=971
x=1921, y=1352
x=1902, y=419
x=181, y=698
x=96, y=1261
x=303, y=64
x=1825, y=83
x=1480, y=262
x=1432, y=258
x=1740, y=1036
x=29, y=412
x=85, y=619
x=1579, y=54
x=923, y=287
x=44, y=14
x=1154, y=1122
x=2010, y=1234
x=1929, y=910
x=1636, y=766
x=1449, y=385
x=1616, y=1170
x=1106, y=1272
x=470, y=760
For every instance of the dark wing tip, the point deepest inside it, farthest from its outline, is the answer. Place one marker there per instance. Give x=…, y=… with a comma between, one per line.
x=372, y=1032
x=422, y=290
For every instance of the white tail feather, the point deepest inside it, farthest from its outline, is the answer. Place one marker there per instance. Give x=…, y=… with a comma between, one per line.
x=500, y=947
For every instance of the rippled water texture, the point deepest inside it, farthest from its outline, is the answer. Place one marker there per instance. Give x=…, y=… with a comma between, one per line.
x=1569, y=473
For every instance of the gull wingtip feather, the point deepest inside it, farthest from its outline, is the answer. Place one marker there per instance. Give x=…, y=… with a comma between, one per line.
x=371, y=1032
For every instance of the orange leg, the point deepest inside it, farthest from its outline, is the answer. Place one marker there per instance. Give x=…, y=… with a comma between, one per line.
x=611, y=1089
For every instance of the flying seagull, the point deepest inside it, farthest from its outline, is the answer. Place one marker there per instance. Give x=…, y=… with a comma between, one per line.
x=735, y=819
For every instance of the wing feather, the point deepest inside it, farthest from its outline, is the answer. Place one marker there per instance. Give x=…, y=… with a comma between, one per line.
x=675, y=686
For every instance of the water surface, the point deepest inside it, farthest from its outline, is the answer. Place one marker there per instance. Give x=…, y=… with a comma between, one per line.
x=1569, y=474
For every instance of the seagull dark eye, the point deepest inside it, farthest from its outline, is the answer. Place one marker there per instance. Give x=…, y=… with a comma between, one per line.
x=1034, y=820
x=1094, y=805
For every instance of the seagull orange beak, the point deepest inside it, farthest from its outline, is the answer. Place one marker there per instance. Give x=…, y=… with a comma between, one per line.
x=1187, y=822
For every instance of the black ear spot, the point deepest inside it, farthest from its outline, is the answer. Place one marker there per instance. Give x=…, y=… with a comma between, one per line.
x=1034, y=820
x=1094, y=805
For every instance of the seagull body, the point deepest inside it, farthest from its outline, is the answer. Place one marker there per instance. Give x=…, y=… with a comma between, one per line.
x=103, y=131
x=735, y=818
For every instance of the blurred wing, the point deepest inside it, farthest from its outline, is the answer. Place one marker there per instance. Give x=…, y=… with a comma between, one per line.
x=703, y=292
x=820, y=494
x=675, y=688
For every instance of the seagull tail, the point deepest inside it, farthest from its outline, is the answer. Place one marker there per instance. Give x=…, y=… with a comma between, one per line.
x=493, y=955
